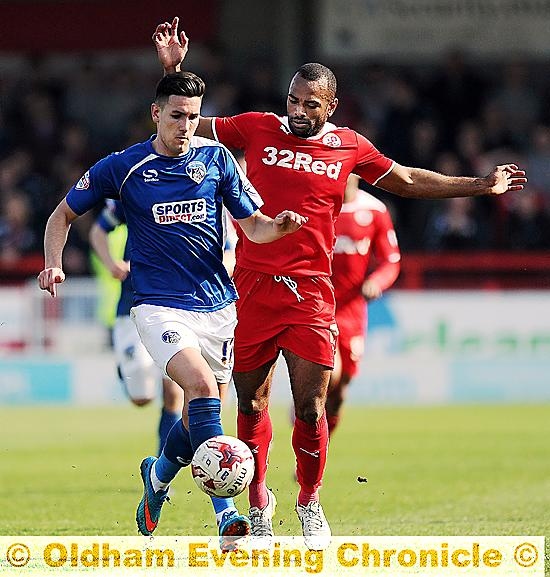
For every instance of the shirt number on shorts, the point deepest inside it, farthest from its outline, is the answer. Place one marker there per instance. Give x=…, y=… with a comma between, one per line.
x=227, y=353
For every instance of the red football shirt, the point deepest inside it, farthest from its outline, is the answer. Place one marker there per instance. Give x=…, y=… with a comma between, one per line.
x=306, y=175
x=363, y=227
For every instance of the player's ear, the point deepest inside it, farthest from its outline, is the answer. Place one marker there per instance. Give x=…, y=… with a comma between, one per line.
x=332, y=106
x=155, y=112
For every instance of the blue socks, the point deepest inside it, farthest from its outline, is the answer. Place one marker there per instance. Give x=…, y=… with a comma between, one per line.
x=167, y=421
x=204, y=423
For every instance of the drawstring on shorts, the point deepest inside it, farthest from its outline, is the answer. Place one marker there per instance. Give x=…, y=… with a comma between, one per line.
x=291, y=284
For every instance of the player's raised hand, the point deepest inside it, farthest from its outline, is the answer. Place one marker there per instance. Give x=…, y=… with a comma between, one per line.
x=171, y=49
x=289, y=221
x=506, y=177
x=49, y=278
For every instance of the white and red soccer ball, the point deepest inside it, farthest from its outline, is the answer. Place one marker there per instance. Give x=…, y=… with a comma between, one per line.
x=222, y=466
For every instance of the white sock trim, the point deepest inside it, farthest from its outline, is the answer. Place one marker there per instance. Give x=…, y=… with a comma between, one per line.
x=158, y=485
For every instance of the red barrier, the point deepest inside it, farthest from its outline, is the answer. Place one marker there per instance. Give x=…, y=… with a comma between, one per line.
x=506, y=270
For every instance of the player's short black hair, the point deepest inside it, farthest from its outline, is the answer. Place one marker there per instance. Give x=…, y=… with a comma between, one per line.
x=313, y=72
x=180, y=84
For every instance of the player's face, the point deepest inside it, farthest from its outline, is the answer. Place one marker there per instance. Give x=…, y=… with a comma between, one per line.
x=309, y=104
x=176, y=123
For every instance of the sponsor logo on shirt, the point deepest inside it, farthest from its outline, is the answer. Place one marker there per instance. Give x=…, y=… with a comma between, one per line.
x=346, y=245
x=150, y=175
x=363, y=217
x=196, y=171
x=180, y=211
x=300, y=161
x=84, y=182
x=332, y=140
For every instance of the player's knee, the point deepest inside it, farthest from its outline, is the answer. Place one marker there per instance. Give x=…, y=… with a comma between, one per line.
x=252, y=406
x=202, y=388
x=140, y=402
x=310, y=414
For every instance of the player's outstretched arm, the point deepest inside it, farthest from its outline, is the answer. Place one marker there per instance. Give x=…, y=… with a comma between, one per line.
x=260, y=228
x=171, y=48
x=420, y=183
x=55, y=238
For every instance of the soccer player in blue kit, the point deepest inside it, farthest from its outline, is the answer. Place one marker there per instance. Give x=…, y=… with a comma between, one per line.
x=172, y=189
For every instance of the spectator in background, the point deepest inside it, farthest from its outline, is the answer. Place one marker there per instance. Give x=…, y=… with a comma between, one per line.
x=17, y=237
x=517, y=103
x=538, y=162
x=456, y=223
x=527, y=224
x=457, y=92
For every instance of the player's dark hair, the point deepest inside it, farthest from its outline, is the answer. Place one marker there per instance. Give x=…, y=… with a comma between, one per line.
x=179, y=84
x=314, y=72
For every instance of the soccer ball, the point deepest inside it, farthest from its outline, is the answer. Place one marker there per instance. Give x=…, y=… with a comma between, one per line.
x=222, y=466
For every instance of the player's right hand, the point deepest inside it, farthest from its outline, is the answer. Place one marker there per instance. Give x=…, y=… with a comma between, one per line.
x=171, y=49
x=49, y=278
x=120, y=269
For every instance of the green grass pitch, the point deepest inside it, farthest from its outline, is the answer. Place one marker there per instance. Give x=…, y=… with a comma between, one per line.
x=467, y=470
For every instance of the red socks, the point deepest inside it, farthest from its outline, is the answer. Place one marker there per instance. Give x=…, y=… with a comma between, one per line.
x=256, y=431
x=310, y=443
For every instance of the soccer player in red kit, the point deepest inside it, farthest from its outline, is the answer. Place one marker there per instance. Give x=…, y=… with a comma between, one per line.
x=301, y=161
x=364, y=227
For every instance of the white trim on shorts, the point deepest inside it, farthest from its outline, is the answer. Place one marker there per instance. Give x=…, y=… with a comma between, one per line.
x=165, y=331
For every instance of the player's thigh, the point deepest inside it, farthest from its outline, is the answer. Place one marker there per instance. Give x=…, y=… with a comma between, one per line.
x=309, y=383
x=166, y=332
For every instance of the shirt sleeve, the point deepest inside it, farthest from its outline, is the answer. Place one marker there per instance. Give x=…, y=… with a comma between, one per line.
x=239, y=196
x=234, y=131
x=111, y=216
x=94, y=187
x=386, y=251
x=371, y=164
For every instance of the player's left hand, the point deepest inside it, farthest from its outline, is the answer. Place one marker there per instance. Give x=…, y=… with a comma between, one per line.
x=289, y=221
x=505, y=177
x=171, y=49
x=371, y=290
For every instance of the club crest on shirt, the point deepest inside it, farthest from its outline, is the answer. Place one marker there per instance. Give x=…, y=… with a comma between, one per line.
x=171, y=337
x=84, y=182
x=196, y=171
x=332, y=140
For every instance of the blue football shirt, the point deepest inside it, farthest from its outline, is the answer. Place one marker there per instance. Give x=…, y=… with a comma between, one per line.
x=173, y=209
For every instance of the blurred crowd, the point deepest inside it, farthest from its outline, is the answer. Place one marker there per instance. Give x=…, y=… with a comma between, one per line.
x=58, y=118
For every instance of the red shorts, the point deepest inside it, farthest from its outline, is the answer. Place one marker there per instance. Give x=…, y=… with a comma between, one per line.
x=352, y=324
x=277, y=313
